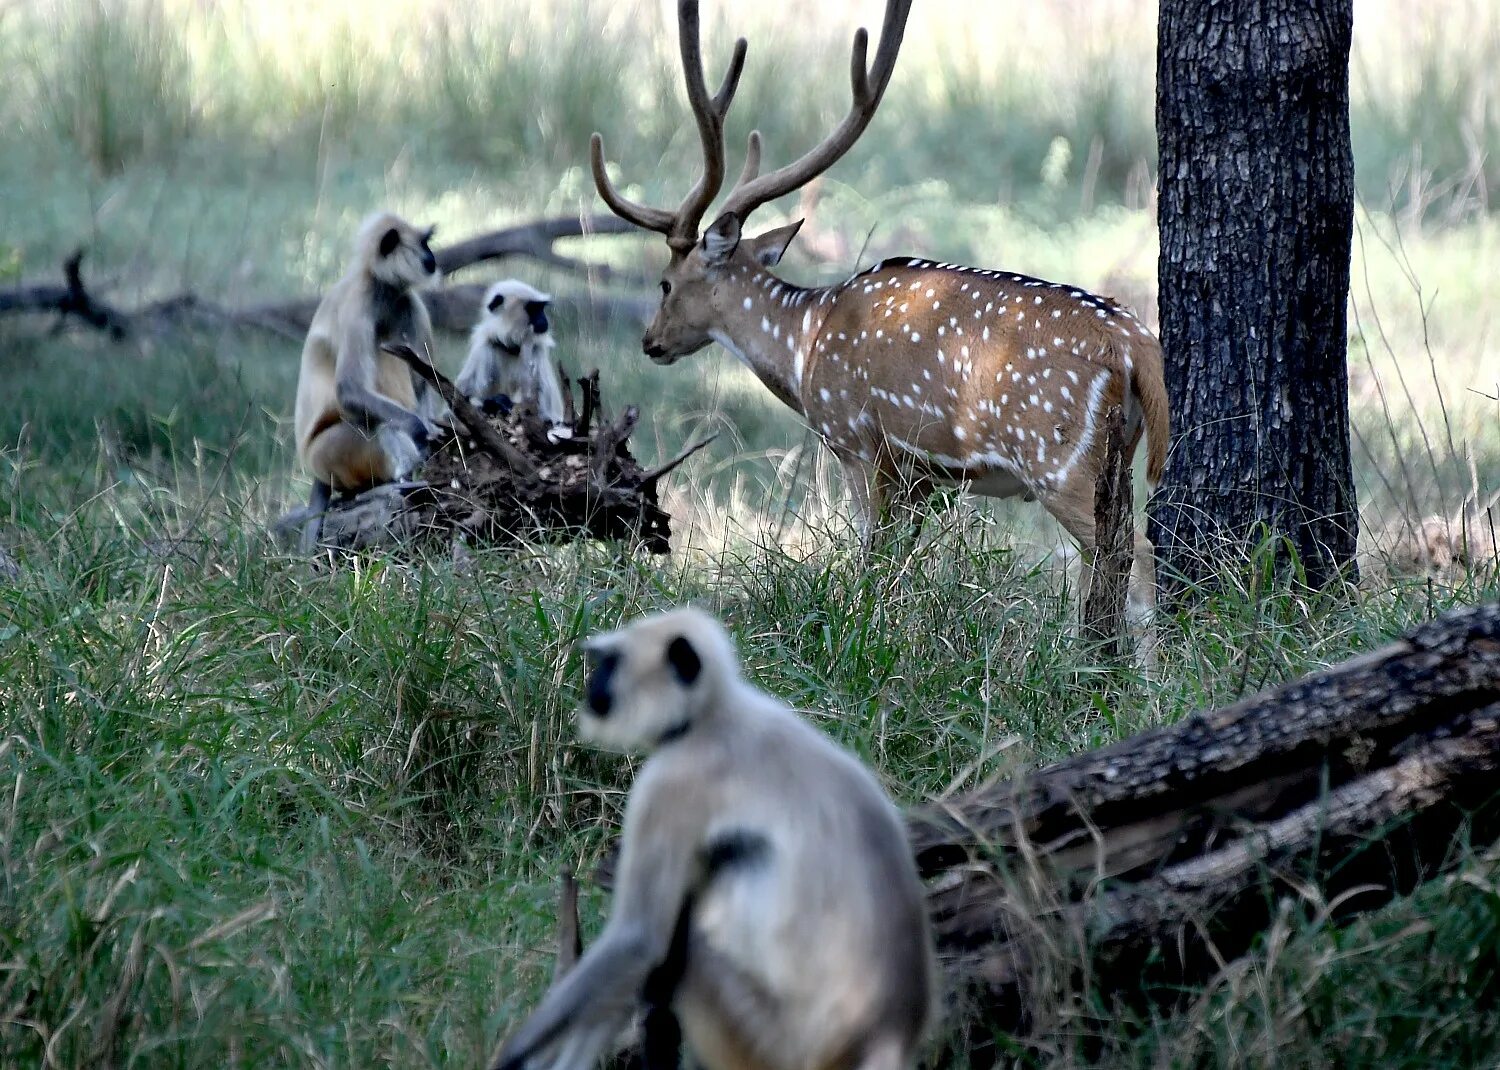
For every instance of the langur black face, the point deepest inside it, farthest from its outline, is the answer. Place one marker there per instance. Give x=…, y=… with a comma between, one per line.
x=429, y=260
x=598, y=692
x=403, y=254
x=641, y=690
x=515, y=313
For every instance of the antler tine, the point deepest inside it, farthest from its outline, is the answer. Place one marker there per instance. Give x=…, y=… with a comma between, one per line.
x=752, y=160
x=859, y=70
x=656, y=219
x=731, y=83
x=708, y=113
x=892, y=30
x=868, y=85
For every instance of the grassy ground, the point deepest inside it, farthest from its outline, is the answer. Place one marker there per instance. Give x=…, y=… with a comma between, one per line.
x=257, y=815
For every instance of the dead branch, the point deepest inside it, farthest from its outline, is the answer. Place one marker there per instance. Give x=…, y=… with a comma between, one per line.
x=569, y=939
x=507, y=478
x=537, y=241
x=472, y=419
x=656, y=473
x=453, y=307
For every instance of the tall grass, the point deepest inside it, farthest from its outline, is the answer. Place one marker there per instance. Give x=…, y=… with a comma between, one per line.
x=111, y=79
x=259, y=814
x=518, y=87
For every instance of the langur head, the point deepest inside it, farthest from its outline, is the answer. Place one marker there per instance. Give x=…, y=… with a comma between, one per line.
x=652, y=680
x=514, y=314
x=395, y=252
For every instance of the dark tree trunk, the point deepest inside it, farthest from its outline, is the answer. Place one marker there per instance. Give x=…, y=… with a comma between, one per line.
x=1256, y=209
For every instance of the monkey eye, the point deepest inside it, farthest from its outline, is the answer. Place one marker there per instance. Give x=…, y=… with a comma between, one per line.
x=666, y=287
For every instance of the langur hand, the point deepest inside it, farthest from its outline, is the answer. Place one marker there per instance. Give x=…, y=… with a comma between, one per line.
x=423, y=434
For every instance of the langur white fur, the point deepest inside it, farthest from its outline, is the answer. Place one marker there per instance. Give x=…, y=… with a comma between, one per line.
x=510, y=351
x=362, y=418
x=762, y=867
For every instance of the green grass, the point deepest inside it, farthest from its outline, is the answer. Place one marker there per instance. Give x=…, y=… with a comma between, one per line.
x=256, y=814
x=266, y=815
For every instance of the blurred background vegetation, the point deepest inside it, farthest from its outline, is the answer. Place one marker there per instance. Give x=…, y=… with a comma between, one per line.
x=231, y=146
x=256, y=815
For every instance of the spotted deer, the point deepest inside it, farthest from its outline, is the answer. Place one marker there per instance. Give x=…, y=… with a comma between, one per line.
x=913, y=372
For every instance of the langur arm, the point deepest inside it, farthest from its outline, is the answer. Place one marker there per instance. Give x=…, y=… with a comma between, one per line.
x=478, y=373
x=354, y=387
x=549, y=403
x=596, y=998
x=591, y=1003
x=317, y=505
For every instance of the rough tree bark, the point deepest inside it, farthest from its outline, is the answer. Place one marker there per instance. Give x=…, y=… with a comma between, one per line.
x=1256, y=215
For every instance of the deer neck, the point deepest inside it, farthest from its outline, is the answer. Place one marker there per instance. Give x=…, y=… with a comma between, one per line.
x=771, y=325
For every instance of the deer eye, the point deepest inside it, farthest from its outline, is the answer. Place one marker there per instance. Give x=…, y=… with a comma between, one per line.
x=666, y=287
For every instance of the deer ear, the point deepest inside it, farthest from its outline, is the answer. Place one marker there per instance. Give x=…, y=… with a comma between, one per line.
x=721, y=240
x=768, y=248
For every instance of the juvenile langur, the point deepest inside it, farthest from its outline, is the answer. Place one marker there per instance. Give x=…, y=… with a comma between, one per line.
x=762, y=869
x=510, y=351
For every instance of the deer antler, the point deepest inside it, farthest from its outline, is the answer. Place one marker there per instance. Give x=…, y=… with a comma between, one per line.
x=681, y=226
x=869, y=85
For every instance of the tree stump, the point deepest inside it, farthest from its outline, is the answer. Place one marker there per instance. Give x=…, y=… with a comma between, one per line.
x=506, y=478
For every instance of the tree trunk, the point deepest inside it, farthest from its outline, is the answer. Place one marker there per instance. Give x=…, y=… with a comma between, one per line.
x=1256, y=214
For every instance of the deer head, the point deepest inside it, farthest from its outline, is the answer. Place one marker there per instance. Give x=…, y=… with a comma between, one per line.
x=692, y=309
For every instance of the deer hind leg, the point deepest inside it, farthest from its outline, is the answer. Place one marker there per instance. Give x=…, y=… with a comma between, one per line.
x=1141, y=609
x=1072, y=506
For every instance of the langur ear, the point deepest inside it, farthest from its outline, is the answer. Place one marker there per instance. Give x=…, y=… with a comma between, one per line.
x=389, y=240
x=684, y=659
x=496, y=302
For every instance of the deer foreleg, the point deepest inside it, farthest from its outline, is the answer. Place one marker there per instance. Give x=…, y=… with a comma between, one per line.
x=859, y=477
x=901, y=496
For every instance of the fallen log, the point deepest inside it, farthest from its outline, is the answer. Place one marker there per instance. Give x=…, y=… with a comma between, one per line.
x=509, y=477
x=453, y=307
x=1146, y=865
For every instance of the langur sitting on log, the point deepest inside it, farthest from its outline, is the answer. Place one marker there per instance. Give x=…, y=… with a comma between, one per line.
x=510, y=360
x=361, y=416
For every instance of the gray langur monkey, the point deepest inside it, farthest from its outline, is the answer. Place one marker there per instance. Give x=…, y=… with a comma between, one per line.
x=762, y=868
x=362, y=418
x=510, y=351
